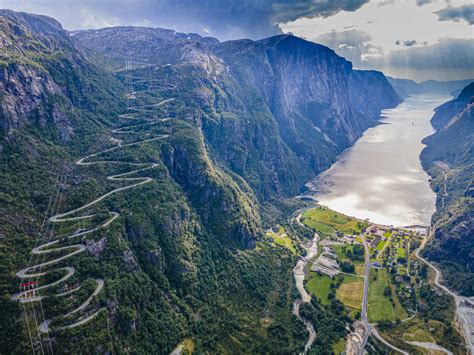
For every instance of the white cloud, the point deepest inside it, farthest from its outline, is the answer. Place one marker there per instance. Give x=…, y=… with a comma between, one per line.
x=402, y=21
x=92, y=20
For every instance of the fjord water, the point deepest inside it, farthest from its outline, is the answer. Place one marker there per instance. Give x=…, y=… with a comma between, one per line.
x=380, y=177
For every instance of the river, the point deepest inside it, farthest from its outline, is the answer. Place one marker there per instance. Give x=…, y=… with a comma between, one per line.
x=380, y=177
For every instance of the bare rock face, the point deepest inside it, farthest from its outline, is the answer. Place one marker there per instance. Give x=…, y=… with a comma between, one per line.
x=25, y=91
x=45, y=79
x=96, y=248
x=130, y=262
x=26, y=85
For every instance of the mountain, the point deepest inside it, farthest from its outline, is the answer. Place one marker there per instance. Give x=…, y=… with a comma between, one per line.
x=407, y=87
x=282, y=108
x=158, y=176
x=449, y=159
x=452, y=108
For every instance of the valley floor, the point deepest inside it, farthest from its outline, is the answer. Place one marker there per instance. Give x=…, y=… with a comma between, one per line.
x=376, y=272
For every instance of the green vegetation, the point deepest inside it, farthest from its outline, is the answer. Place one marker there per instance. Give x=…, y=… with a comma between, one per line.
x=355, y=253
x=178, y=263
x=327, y=222
x=339, y=347
x=329, y=322
x=380, y=307
x=350, y=291
x=380, y=245
x=282, y=239
x=449, y=161
x=319, y=286
x=421, y=335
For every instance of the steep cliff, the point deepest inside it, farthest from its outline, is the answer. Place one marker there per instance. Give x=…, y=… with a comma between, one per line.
x=449, y=159
x=448, y=110
x=191, y=141
x=178, y=262
x=278, y=110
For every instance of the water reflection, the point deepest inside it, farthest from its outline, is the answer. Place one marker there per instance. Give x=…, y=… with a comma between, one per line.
x=381, y=177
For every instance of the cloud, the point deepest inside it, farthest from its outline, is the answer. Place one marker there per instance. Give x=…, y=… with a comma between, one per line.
x=447, y=54
x=225, y=19
x=395, y=34
x=292, y=10
x=456, y=14
x=423, y=2
x=410, y=43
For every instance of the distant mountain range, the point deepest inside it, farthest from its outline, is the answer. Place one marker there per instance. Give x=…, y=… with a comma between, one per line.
x=407, y=87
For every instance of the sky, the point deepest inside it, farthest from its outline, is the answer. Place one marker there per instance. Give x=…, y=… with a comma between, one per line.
x=418, y=39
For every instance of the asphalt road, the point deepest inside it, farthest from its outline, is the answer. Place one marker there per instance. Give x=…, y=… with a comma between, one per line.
x=36, y=271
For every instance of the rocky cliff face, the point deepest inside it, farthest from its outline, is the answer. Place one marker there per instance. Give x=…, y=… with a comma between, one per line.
x=449, y=159
x=44, y=76
x=244, y=123
x=277, y=111
x=448, y=110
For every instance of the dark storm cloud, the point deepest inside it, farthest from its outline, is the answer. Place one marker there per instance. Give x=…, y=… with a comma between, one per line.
x=423, y=2
x=225, y=19
x=465, y=13
x=409, y=43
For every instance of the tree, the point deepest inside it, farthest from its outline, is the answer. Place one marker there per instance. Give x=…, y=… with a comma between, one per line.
x=347, y=267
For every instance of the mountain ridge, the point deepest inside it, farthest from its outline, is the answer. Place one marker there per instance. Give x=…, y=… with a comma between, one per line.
x=448, y=158
x=187, y=258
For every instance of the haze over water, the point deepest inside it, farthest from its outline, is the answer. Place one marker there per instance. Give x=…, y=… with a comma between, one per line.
x=381, y=177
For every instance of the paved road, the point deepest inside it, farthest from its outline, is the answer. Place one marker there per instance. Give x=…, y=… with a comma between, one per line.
x=462, y=317
x=393, y=347
x=365, y=297
x=35, y=271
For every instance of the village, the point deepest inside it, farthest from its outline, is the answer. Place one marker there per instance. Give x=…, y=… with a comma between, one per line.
x=371, y=269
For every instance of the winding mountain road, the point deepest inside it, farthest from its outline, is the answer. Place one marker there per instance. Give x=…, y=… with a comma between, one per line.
x=31, y=294
x=462, y=317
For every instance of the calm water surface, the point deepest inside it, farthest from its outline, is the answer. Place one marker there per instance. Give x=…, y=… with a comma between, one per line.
x=381, y=177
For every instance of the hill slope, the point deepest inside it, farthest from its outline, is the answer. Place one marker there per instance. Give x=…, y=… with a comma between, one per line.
x=449, y=159
x=280, y=109
x=154, y=230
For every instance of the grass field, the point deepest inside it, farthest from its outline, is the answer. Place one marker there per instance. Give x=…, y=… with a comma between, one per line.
x=341, y=253
x=418, y=335
x=339, y=346
x=380, y=245
x=341, y=250
x=282, y=239
x=326, y=221
x=350, y=291
x=400, y=312
x=401, y=252
x=188, y=346
x=359, y=269
x=380, y=307
x=318, y=285
x=319, y=227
